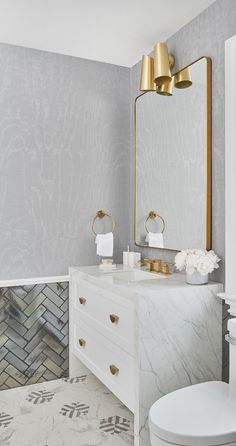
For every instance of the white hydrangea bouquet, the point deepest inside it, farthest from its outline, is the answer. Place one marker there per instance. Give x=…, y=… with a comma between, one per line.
x=197, y=264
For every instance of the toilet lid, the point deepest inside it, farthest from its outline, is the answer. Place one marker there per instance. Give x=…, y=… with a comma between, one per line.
x=199, y=415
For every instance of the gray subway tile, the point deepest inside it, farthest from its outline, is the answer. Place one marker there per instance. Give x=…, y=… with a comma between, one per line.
x=34, y=316
x=35, y=353
x=35, y=365
x=19, y=340
x=55, y=321
x=35, y=340
x=16, y=362
x=34, y=329
x=3, y=353
x=54, y=332
x=34, y=293
x=35, y=304
x=15, y=349
x=54, y=356
x=53, y=296
x=16, y=374
x=19, y=328
x=53, y=308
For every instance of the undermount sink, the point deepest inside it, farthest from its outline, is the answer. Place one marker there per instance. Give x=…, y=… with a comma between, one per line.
x=135, y=276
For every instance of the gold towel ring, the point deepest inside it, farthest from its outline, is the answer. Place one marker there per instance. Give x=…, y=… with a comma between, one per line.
x=102, y=214
x=152, y=215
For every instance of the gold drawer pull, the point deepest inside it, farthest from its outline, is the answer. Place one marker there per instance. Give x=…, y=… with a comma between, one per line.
x=82, y=300
x=82, y=342
x=114, y=370
x=114, y=318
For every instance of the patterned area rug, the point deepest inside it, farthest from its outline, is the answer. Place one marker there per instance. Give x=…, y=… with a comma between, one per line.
x=66, y=412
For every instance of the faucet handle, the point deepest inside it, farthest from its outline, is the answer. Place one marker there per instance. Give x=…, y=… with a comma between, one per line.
x=141, y=262
x=157, y=265
x=149, y=264
x=166, y=267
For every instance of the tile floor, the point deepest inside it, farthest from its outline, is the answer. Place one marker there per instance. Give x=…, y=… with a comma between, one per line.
x=76, y=412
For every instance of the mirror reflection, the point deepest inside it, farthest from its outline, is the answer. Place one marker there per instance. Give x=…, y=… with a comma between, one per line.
x=173, y=157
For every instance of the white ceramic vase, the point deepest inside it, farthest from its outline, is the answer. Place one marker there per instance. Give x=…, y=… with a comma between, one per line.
x=196, y=278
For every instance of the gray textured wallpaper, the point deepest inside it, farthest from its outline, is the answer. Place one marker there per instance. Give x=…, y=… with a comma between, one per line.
x=64, y=154
x=203, y=36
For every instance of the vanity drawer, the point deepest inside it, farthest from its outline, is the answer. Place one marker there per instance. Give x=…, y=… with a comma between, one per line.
x=115, y=337
x=113, y=366
x=116, y=317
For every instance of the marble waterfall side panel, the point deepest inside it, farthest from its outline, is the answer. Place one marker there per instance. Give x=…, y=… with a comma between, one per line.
x=180, y=343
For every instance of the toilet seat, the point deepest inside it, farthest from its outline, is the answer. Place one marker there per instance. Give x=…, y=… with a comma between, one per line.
x=199, y=415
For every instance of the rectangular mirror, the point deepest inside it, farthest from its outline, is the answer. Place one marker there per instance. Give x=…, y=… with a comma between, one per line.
x=173, y=165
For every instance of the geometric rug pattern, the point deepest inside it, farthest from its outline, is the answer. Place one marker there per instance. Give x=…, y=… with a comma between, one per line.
x=74, y=410
x=33, y=334
x=67, y=412
x=115, y=425
x=40, y=397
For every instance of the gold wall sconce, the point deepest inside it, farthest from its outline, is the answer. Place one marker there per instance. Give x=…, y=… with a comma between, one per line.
x=156, y=72
x=147, y=75
x=183, y=79
x=165, y=89
x=162, y=64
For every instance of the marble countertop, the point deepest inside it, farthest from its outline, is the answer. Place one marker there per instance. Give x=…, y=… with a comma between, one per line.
x=118, y=281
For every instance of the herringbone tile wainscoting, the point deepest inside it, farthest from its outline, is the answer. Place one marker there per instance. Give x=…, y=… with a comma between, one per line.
x=33, y=334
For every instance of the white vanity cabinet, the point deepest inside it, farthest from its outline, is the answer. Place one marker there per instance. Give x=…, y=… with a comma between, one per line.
x=102, y=336
x=144, y=335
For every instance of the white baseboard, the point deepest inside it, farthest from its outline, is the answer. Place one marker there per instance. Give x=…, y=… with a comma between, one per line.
x=33, y=281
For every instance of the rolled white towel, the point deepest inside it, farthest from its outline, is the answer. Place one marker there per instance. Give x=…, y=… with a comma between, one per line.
x=155, y=239
x=105, y=244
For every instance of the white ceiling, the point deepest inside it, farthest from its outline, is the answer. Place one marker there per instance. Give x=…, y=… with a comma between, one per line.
x=113, y=31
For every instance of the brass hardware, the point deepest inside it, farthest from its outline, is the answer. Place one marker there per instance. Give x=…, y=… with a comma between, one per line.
x=147, y=74
x=113, y=369
x=165, y=89
x=102, y=214
x=157, y=266
x=82, y=300
x=82, y=342
x=183, y=79
x=171, y=60
x=142, y=262
x=153, y=265
x=151, y=216
x=157, y=71
x=209, y=157
x=148, y=263
x=114, y=318
x=166, y=268
x=162, y=72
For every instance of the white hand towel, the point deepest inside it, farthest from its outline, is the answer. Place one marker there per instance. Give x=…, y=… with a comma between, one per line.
x=104, y=244
x=155, y=239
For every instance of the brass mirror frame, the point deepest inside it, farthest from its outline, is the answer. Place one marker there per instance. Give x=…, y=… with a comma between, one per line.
x=208, y=155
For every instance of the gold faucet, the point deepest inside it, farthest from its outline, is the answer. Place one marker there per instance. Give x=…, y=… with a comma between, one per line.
x=157, y=266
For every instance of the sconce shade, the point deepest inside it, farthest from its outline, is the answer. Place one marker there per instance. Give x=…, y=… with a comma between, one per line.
x=165, y=89
x=183, y=79
x=147, y=82
x=162, y=73
x=171, y=60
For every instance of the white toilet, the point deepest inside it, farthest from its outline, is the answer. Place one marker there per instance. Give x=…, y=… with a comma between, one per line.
x=199, y=415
